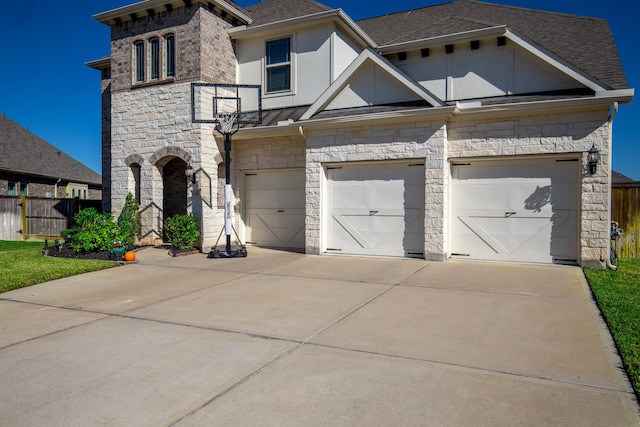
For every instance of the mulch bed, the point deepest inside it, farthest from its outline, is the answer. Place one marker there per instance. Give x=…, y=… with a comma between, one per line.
x=65, y=251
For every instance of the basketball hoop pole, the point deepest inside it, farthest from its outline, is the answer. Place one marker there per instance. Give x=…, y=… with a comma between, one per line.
x=227, y=106
x=225, y=127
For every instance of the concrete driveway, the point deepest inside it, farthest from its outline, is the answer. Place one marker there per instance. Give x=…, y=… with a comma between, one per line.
x=284, y=339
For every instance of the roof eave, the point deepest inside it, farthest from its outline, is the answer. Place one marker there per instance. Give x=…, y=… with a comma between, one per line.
x=99, y=64
x=298, y=127
x=444, y=39
x=601, y=100
x=141, y=9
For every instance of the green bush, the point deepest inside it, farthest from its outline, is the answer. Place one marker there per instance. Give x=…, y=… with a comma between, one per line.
x=182, y=231
x=93, y=231
x=129, y=221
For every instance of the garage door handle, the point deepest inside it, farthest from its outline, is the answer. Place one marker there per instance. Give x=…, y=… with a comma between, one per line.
x=373, y=212
x=508, y=214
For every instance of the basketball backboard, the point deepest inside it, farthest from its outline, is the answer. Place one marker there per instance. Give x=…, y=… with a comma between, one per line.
x=211, y=102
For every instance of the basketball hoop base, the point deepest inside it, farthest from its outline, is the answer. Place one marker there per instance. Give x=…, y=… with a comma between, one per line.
x=223, y=253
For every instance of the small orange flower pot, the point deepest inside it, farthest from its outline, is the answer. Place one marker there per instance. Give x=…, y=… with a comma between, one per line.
x=130, y=256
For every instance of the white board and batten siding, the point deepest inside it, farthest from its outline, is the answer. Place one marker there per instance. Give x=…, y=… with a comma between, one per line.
x=516, y=210
x=376, y=209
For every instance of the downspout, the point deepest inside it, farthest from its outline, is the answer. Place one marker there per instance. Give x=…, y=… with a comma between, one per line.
x=55, y=188
x=612, y=115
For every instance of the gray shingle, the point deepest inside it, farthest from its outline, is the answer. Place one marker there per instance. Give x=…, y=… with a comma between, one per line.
x=24, y=152
x=279, y=10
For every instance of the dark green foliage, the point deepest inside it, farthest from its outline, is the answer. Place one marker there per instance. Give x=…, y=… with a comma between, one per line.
x=182, y=231
x=129, y=221
x=93, y=231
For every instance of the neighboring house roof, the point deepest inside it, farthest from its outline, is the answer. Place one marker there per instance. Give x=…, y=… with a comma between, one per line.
x=617, y=178
x=23, y=152
x=270, y=11
x=584, y=42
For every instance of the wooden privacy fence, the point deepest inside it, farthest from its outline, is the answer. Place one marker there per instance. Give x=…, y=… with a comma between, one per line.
x=30, y=218
x=625, y=209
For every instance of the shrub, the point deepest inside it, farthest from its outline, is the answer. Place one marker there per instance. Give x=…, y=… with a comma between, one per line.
x=93, y=231
x=182, y=231
x=129, y=221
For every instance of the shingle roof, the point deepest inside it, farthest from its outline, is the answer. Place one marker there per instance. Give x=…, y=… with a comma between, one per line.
x=279, y=10
x=584, y=42
x=22, y=151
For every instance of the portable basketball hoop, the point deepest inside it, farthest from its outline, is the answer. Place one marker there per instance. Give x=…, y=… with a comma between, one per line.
x=227, y=106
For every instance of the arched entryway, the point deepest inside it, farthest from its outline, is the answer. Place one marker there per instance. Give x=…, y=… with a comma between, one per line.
x=174, y=188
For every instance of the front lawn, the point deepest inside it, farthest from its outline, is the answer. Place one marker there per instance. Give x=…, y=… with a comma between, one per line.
x=618, y=296
x=22, y=264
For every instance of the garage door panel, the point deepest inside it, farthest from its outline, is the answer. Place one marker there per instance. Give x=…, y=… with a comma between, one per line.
x=376, y=210
x=275, y=214
x=515, y=211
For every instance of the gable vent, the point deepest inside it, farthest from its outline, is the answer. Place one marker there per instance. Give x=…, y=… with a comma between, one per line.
x=475, y=44
x=425, y=52
x=448, y=48
x=502, y=40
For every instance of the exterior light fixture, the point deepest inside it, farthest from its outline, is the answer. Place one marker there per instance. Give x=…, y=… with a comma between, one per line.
x=593, y=156
x=191, y=177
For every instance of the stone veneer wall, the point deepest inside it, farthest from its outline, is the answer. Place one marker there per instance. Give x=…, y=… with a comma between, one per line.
x=546, y=135
x=424, y=141
x=285, y=152
x=151, y=121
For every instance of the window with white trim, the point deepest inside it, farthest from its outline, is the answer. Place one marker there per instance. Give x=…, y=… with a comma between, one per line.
x=278, y=65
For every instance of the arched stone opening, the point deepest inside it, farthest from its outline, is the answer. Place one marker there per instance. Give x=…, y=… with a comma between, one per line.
x=174, y=188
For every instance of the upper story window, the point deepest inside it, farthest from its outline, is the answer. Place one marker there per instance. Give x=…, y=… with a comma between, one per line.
x=12, y=190
x=23, y=189
x=153, y=59
x=140, y=61
x=278, y=65
x=154, y=47
x=170, y=55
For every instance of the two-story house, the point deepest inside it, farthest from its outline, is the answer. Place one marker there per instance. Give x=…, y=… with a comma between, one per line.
x=456, y=130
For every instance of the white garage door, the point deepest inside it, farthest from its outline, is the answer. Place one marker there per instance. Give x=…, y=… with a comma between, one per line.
x=274, y=208
x=376, y=209
x=520, y=210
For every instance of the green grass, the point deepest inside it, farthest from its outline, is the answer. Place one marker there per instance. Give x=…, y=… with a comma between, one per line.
x=618, y=296
x=22, y=264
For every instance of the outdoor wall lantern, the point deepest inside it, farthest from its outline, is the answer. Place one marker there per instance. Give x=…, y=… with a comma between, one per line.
x=191, y=177
x=593, y=156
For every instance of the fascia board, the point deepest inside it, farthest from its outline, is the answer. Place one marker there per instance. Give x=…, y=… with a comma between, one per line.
x=336, y=15
x=108, y=17
x=623, y=96
x=442, y=40
x=99, y=64
x=556, y=62
x=297, y=128
x=536, y=107
x=368, y=55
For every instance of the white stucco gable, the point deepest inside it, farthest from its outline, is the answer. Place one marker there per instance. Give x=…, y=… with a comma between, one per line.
x=370, y=80
x=475, y=65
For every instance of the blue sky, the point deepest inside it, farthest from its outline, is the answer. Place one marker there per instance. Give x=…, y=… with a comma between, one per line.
x=45, y=86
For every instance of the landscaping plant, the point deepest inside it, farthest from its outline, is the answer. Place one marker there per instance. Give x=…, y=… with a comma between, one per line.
x=129, y=221
x=94, y=231
x=182, y=231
